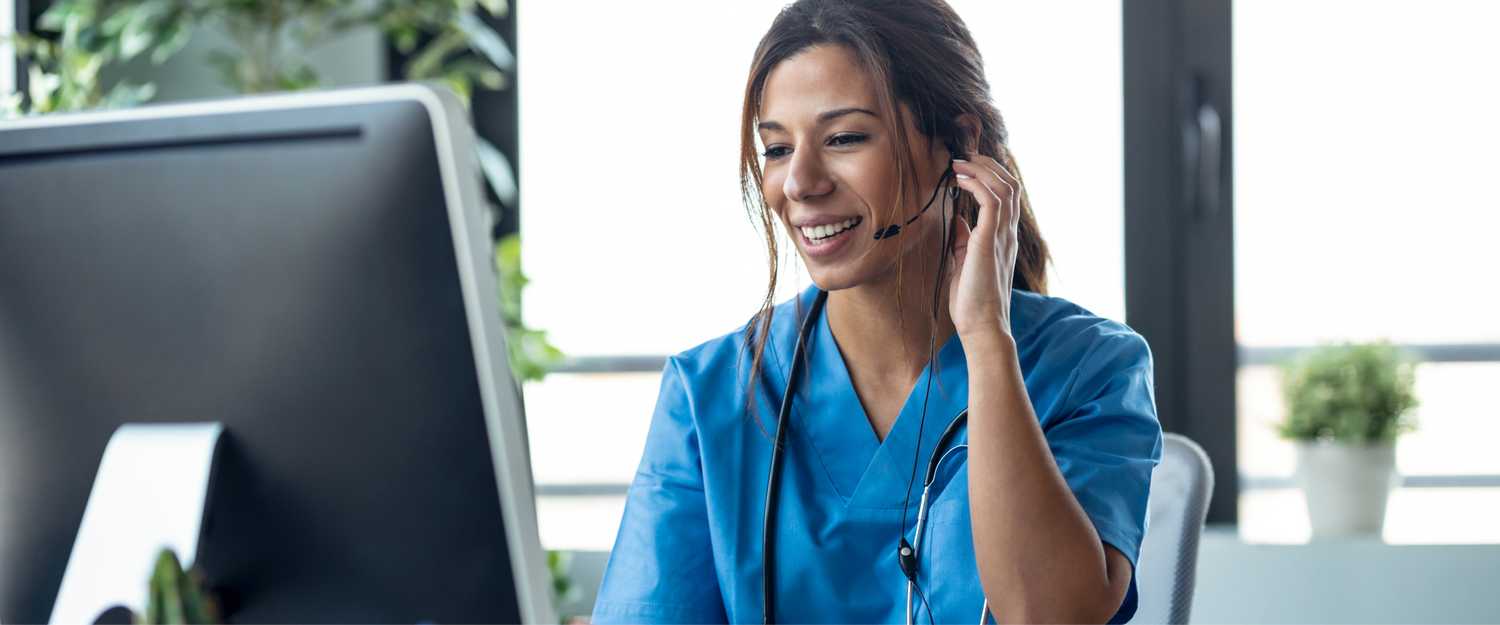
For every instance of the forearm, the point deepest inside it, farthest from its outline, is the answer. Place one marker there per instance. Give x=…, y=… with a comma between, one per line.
x=1039, y=557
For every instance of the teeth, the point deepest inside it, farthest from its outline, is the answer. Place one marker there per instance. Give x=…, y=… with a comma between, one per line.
x=827, y=230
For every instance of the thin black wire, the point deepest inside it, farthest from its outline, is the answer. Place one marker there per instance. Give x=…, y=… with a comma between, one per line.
x=893, y=229
x=931, y=356
x=931, y=347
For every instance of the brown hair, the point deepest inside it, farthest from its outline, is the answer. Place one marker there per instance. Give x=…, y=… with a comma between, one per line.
x=920, y=54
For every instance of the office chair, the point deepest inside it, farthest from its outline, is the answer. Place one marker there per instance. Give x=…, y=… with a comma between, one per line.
x=1168, y=563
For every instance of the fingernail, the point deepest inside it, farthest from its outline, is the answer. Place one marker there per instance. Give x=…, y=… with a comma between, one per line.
x=964, y=176
x=959, y=160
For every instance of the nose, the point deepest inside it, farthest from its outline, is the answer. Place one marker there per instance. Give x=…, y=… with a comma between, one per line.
x=806, y=178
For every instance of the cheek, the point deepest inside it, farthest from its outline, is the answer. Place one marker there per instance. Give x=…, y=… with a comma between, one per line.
x=771, y=190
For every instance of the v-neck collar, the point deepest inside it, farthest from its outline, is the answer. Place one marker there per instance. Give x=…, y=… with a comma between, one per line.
x=866, y=472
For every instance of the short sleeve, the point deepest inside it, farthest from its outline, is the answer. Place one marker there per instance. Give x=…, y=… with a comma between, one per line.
x=661, y=569
x=1108, y=440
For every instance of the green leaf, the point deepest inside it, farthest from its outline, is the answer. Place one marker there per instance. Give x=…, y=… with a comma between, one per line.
x=11, y=106
x=124, y=95
x=54, y=17
x=497, y=8
x=486, y=41
x=427, y=62
x=405, y=39
x=173, y=39
x=497, y=172
x=42, y=88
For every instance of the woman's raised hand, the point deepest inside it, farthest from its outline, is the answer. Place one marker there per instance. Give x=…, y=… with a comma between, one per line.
x=985, y=257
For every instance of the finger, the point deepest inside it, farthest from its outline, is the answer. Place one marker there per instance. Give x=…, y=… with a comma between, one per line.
x=989, y=204
x=1006, y=190
x=959, y=248
x=998, y=171
x=960, y=234
x=1004, y=178
x=1007, y=166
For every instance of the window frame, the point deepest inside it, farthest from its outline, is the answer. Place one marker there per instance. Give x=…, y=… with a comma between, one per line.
x=1179, y=224
x=13, y=17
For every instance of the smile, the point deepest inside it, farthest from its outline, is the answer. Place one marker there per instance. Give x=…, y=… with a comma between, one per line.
x=828, y=231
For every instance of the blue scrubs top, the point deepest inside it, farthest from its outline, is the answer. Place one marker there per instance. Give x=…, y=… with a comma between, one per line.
x=689, y=545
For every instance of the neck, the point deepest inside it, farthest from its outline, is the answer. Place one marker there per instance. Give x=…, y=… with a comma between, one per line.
x=879, y=340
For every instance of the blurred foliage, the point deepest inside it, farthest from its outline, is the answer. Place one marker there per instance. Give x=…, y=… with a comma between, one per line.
x=446, y=41
x=63, y=69
x=176, y=597
x=1351, y=393
x=530, y=354
x=563, y=589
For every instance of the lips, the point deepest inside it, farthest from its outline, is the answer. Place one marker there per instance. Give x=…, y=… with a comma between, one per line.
x=824, y=240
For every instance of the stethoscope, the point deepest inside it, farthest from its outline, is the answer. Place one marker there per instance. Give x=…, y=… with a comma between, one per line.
x=906, y=552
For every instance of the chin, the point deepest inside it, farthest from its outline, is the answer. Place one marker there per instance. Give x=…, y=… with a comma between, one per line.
x=835, y=278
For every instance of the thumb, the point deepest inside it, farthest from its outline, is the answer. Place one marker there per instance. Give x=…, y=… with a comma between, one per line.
x=960, y=246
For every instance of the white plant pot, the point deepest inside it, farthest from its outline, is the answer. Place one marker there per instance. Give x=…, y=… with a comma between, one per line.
x=1346, y=486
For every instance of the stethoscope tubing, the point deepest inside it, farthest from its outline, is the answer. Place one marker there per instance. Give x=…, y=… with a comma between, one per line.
x=768, y=534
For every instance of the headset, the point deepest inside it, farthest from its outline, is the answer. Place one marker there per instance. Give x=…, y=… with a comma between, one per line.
x=955, y=154
x=907, y=552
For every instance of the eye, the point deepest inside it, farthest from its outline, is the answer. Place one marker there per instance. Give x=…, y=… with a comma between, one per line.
x=846, y=139
x=774, y=152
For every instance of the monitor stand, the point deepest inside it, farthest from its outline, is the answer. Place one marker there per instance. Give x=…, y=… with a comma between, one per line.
x=150, y=493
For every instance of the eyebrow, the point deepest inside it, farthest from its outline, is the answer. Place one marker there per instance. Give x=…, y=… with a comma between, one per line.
x=822, y=117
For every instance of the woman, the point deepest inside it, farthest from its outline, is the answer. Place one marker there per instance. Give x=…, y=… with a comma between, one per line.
x=886, y=163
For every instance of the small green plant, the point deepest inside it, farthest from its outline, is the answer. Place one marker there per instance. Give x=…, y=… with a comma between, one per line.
x=176, y=596
x=1356, y=394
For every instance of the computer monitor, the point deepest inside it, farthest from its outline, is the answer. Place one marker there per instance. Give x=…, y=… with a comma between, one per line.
x=311, y=271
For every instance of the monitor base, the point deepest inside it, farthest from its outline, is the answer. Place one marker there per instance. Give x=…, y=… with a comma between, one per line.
x=150, y=493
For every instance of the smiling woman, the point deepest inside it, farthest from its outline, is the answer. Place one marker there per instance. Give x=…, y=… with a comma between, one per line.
x=886, y=162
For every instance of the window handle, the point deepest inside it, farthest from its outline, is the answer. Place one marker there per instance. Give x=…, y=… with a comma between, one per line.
x=1202, y=153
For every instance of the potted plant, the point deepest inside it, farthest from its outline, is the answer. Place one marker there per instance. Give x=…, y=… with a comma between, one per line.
x=1345, y=406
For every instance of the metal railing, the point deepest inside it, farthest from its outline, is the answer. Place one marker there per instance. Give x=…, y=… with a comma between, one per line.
x=1248, y=356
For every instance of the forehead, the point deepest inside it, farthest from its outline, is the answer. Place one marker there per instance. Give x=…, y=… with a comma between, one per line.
x=814, y=80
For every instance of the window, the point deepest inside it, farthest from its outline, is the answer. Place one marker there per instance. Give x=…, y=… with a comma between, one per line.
x=638, y=244
x=8, y=20
x=1363, y=211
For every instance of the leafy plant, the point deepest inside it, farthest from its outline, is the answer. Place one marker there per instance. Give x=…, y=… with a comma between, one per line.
x=176, y=596
x=438, y=33
x=531, y=356
x=1350, y=393
x=63, y=70
x=447, y=40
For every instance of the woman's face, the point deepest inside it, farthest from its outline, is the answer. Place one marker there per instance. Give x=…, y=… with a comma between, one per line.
x=829, y=173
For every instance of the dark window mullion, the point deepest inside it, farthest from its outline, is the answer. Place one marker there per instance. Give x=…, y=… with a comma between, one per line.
x=1179, y=275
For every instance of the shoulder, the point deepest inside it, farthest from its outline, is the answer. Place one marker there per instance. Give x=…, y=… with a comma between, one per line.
x=1062, y=330
x=725, y=360
x=1072, y=358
